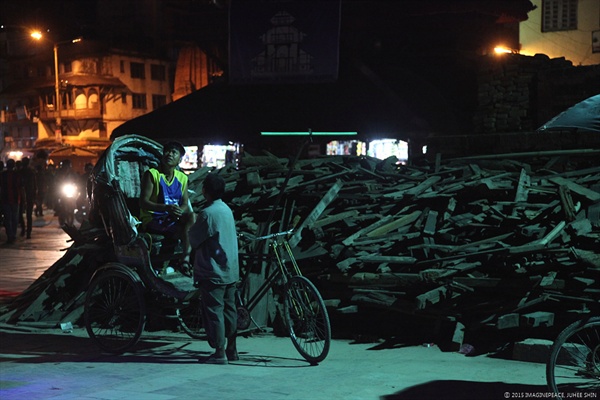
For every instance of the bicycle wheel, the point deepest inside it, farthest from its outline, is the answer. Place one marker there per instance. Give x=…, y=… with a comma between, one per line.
x=115, y=310
x=573, y=369
x=190, y=319
x=307, y=319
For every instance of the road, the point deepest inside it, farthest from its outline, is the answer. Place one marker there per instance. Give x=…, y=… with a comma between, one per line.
x=55, y=364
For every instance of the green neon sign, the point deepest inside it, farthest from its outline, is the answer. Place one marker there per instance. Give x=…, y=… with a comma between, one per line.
x=307, y=133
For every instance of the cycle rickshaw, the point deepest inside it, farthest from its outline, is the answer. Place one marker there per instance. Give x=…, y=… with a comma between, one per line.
x=143, y=275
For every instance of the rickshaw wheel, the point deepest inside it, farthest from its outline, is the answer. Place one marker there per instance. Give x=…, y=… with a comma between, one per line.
x=115, y=310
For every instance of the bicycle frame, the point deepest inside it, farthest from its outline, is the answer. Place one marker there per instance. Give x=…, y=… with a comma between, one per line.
x=302, y=308
x=279, y=246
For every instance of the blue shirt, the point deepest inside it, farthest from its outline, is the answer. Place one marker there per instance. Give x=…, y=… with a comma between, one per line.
x=214, y=237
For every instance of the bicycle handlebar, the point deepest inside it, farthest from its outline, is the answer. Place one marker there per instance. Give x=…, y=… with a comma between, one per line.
x=269, y=236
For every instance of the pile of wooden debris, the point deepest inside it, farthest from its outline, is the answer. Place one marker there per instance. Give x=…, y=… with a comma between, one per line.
x=507, y=241
x=504, y=241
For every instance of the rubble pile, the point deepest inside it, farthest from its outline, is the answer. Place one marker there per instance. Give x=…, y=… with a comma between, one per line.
x=484, y=242
x=497, y=242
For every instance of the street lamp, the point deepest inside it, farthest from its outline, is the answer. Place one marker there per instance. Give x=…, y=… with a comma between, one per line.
x=58, y=131
x=37, y=35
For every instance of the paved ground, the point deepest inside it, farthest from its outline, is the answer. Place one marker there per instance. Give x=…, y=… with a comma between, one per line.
x=52, y=364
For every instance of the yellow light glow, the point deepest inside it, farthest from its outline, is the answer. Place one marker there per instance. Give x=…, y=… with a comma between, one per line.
x=37, y=35
x=502, y=50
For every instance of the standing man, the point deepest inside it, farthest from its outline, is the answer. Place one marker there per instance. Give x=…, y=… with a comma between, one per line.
x=164, y=201
x=216, y=269
x=10, y=189
x=29, y=192
x=18, y=169
x=42, y=187
x=1, y=210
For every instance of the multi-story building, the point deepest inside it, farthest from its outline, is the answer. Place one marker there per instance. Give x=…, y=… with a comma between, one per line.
x=563, y=28
x=99, y=89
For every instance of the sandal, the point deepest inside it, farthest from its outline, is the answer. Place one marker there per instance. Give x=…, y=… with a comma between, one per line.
x=215, y=359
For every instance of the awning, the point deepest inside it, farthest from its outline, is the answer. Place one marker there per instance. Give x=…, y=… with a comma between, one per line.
x=77, y=155
x=582, y=117
x=73, y=80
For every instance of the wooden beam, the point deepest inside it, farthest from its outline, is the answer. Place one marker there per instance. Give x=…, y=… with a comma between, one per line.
x=316, y=212
x=404, y=220
x=574, y=187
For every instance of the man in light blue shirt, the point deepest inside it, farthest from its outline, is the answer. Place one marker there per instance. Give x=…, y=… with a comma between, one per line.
x=216, y=269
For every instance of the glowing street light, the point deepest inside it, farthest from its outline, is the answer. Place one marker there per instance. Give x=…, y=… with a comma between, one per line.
x=37, y=35
x=504, y=50
x=57, y=109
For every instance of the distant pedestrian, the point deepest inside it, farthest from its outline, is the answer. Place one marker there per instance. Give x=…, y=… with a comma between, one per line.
x=51, y=185
x=42, y=189
x=10, y=190
x=29, y=192
x=1, y=211
x=18, y=168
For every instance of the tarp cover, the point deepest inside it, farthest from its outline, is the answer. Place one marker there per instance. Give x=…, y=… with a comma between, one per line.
x=583, y=116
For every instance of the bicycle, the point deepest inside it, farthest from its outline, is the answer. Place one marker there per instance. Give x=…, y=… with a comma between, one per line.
x=573, y=369
x=304, y=311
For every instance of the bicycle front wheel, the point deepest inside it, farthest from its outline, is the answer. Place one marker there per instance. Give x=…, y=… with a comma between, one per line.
x=573, y=369
x=307, y=319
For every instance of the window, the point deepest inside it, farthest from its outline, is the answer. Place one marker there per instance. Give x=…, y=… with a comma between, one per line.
x=158, y=100
x=138, y=100
x=124, y=97
x=122, y=66
x=559, y=15
x=157, y=72
x=137, y=70
x=49, y=101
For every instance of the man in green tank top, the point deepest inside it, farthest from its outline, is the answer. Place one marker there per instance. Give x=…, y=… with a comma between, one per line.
x=164, y=202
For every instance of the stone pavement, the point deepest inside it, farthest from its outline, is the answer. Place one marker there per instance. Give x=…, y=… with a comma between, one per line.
x=24, y=261
x=52, y=364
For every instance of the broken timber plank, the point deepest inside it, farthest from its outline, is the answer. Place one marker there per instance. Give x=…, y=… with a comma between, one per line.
x=538, y=318
x=316, y=212
x=384, y=279
x=567, y=202
x=374, y=258
x=350, y=239
x=574, y=187
x=402, y=221
x=423, y=186
x=435, y=296
x=523, y=187
x=495, y=239
x=430, y=223
x=334, y=218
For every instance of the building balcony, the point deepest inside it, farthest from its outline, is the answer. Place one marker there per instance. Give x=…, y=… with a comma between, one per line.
x=84, y=113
